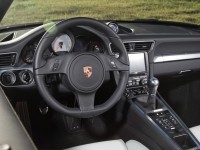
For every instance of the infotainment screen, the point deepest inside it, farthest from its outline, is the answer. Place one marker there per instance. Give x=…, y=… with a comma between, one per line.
x=137, y=63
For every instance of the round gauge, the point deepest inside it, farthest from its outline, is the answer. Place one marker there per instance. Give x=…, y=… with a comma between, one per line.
x=114, y=27
x=8, y=78
x=28, y=54
x=96, y=47
x=63, y=43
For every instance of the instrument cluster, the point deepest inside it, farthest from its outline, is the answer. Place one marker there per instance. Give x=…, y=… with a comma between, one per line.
x=64, y=43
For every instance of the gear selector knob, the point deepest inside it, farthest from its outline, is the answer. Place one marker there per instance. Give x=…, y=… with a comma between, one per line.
x=153, y=86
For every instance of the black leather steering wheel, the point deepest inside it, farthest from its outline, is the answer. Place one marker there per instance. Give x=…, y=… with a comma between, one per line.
x=84, y=72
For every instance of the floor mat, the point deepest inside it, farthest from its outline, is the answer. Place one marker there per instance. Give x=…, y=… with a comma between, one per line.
x=64, y=140
x=21, y=108
x=51, y=133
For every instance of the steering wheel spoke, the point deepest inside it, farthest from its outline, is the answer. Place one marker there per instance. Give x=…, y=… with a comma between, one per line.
x=54, y=65
x=86, y=100
x=113, y=64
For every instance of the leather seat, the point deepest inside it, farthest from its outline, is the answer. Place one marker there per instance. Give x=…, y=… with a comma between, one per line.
x=111, y=145
x=135, y=145
x=196, y=131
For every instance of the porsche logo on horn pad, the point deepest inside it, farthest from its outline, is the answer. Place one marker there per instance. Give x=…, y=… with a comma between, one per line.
x=87, y=71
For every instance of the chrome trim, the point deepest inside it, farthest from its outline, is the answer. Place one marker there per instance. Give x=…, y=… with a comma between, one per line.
x=158, y=59
x=184, y=71
x=110, y=49
x=15, y=35
x=157, y=110
x=168, y=58
x=133, y=30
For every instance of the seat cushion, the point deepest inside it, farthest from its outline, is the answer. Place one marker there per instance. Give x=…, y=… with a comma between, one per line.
x=196, y=131
x=111, y=145
x=106, y=145
x=135, y=145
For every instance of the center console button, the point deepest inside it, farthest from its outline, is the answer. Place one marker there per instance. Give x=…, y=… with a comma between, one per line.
x=130, y=83
x=135, y=86
x=144, y=81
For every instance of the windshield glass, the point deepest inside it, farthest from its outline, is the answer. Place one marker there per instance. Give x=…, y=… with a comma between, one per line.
x=31, y=11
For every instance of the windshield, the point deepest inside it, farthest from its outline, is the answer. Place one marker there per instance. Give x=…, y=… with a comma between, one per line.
x=31, y=11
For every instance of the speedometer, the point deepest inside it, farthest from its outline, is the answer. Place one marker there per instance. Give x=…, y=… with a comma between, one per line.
x=62, y=43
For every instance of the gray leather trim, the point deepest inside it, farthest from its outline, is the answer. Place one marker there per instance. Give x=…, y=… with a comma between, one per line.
x=135, y=145
x=12, y=132
x=168, y=58
x=105, y=145
x=196, y=131
x=112, y=145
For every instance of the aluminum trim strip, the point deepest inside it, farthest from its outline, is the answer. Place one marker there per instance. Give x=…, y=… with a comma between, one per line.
x=169, y=58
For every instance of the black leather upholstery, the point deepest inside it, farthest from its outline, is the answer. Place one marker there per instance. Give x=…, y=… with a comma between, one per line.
x=12, y=131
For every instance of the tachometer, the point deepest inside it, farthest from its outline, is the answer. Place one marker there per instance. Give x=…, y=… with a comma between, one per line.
x=62, y=43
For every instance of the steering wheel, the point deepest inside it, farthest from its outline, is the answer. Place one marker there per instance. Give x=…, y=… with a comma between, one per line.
x=84, y=72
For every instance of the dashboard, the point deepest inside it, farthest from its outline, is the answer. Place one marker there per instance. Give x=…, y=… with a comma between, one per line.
x=20, y=72
x=158, y=50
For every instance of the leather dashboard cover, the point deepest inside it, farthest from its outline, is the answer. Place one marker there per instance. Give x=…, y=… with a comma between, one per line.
x=12, y=132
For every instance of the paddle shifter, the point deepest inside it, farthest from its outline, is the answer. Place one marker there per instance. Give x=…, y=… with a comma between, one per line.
x=153, y=87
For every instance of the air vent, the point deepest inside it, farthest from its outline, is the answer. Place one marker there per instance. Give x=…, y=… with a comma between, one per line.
x=127, y=46
x=143, y=46
x=134, y=46
x=115, y=50
x=7, y=59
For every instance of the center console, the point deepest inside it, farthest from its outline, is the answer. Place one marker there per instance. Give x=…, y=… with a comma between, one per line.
x=159, y=121
x=138, y=78
x=161, y=124
x=165, y=120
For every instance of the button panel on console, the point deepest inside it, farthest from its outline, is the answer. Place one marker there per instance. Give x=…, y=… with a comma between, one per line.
x=136, y=86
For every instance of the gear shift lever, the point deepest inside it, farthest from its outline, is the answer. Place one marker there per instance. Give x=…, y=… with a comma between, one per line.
x=153, y=87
